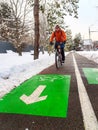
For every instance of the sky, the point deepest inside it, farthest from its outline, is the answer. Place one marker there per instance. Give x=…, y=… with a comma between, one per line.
x=15, y=69
x=87, y=17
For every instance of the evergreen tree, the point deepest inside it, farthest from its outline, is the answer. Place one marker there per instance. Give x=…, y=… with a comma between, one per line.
x=55, y=11
x=77, y=41
x=69, y=42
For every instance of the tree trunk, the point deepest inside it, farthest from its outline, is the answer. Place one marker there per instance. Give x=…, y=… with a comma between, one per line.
x=36, y=18
x=19, y=51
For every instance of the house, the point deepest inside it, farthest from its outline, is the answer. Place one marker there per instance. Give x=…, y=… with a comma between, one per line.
x=87, y=44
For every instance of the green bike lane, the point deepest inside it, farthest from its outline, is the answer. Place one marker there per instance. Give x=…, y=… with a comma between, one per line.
x=50, y=100
x=42, y=95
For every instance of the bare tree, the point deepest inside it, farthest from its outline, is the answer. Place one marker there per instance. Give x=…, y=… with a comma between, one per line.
x=20, y=11
x=17, y=27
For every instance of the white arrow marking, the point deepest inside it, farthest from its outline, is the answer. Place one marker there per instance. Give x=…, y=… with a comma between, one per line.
x=34, y=97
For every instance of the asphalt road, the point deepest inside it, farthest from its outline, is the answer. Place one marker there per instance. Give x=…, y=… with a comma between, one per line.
x=79, y=117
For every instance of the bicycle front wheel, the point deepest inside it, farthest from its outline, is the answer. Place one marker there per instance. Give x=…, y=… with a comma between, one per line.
x=58, y=60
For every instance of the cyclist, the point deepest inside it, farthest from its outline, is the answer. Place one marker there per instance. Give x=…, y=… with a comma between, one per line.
x=60, y=39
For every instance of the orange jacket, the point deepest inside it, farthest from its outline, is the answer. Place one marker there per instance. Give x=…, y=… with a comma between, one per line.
x=60, y=36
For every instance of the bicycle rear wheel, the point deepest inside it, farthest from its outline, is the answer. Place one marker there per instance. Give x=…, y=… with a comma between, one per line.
x=58, y=60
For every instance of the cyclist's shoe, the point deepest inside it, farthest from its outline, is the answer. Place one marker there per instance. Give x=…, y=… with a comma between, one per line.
x=63, y=61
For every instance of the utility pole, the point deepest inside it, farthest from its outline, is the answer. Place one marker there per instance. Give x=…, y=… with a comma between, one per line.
x=89, y=33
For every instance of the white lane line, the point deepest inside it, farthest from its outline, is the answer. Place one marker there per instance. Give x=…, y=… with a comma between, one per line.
x=89, y=117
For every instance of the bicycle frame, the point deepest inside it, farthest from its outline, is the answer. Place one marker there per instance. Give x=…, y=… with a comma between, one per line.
x=58, y=57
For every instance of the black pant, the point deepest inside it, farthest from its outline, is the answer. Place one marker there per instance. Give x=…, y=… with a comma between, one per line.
x=63, y=54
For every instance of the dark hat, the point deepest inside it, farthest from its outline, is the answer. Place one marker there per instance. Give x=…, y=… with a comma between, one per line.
x=57, y=26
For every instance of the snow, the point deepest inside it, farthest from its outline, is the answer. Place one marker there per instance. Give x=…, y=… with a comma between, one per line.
x=91, y=55
x=15, y=69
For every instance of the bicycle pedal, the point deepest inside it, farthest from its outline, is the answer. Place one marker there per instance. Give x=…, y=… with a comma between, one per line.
x=63, y=61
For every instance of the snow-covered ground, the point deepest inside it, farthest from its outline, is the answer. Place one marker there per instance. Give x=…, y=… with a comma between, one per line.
x=91, y=55
x=16, y=69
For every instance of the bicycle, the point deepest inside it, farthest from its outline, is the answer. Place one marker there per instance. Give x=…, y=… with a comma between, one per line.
x=58, y=57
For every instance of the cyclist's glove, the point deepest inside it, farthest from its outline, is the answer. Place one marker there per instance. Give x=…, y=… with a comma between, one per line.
x=51, y=43
x=64, y=42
